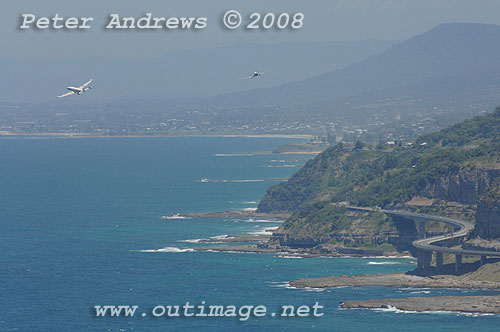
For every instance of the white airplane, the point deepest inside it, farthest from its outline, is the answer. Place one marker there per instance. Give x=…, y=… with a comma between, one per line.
x=255, y=74
x=78, y=90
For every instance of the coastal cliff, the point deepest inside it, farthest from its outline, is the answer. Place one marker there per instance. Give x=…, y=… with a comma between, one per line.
x=486, y=234
x=455, y=171
x=488, y=220
x=466, y=185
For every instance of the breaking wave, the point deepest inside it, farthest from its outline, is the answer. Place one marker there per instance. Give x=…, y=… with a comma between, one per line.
x=175, y=216
x=169, y=249
x=435, y=312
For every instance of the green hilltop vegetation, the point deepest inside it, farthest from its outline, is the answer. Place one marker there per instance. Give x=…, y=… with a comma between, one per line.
x=384, y=176
x=324, y=221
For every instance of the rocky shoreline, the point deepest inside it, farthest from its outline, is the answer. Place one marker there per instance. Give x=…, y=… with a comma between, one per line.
x=304, y=253
x=396, y=280
x=261, y=243
x=238, y=214
x=248, y=243
x=460, y=304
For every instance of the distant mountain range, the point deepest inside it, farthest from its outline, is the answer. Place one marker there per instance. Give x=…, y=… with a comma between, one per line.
x=454, y=65
x=194, y=73
x=369, y=89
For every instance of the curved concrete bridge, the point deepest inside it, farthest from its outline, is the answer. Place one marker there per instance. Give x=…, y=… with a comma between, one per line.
x=427, y=246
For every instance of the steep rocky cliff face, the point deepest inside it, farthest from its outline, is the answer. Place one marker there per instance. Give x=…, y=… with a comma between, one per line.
x=486, y=233
x=476, y=186
x=487, y=220
x=464, y=186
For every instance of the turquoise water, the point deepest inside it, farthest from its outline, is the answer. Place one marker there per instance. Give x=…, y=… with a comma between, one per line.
x=76, y=215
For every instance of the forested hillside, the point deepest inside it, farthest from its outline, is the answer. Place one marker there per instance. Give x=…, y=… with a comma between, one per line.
x=458, y=167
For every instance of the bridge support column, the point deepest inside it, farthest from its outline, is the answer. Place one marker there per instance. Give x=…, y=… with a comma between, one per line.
x=420, y=229
x=484, y=260
x=458, y=262
x=424, y=259
x=439, y=261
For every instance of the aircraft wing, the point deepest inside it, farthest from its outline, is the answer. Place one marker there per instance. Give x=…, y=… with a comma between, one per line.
x=84, y=85
x=265, y=71
x=246, y=77
x=66, y=94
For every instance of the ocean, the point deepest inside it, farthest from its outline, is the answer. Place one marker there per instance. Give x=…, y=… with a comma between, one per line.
x=80, y=220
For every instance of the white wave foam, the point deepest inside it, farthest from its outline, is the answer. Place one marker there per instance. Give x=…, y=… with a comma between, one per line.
x=281, y=284
x=435, y=312
x=261, y=232
x=175, y=216
x=288, y=256
x=192, y=240
x=206, y=180
x=213, y=239
x=265, y=231
x=169, y=249
x=250, y=209
x=383, y=263
x=221, y=237
x=421, y=292
x=230, y=251
x=250, y=202
x=286, y=284
x=390, y=308
x=260, y=220
x=414, y=288
x=313, y=289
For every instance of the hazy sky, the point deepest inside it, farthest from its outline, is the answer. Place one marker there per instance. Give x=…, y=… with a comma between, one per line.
x=325, y=20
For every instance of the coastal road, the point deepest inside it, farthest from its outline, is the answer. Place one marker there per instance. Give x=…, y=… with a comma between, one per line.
x=429, y=244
